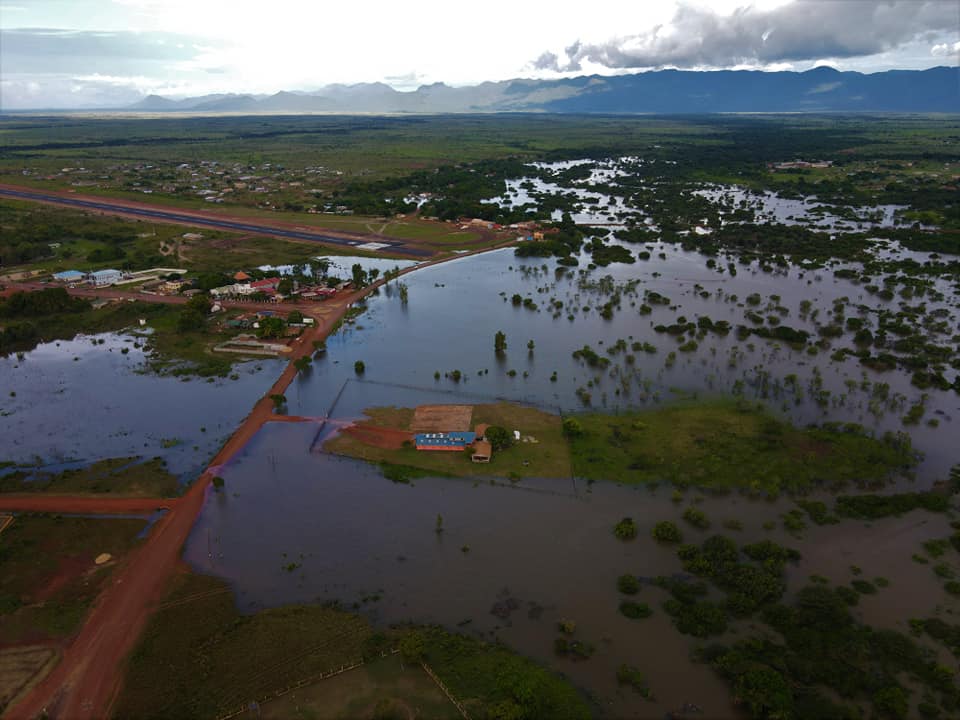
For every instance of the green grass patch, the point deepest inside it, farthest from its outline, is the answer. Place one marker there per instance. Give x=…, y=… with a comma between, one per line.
x=48, y=578
x=117, y=476
x=199, y=657
x=726, y=444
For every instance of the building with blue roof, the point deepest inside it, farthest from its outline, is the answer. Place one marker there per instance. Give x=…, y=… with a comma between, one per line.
x=69, y=276
x=444, y=440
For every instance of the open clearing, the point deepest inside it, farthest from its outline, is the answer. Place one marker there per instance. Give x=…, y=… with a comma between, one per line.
x=441, y=418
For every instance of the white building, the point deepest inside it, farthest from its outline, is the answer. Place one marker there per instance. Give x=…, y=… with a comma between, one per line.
x=101, y=278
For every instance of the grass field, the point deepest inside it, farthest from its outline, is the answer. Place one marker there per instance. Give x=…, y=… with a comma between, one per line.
x=366, y=692
x=725, y=444
x=200, y=658
x=126, y=477
x=549, y=457
x=48, y=578
x=492, y=682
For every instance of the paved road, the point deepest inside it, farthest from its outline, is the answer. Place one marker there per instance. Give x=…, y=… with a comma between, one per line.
x=155, y=213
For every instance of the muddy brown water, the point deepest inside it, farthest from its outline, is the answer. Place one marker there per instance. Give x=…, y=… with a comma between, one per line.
x=537, y=552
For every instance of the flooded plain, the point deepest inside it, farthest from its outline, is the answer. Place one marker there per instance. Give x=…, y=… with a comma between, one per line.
x=294, y=524
x=74, y=402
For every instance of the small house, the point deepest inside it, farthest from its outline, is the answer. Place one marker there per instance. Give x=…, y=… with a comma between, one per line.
x=482, y=452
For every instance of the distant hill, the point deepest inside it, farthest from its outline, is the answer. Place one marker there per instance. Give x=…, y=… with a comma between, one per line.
x=665, y=91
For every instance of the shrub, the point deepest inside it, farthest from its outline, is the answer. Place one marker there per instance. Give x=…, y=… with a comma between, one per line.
x=696, y=518
x=626, y=529
x=667, y=532
x=628, y=584
x=635, y=611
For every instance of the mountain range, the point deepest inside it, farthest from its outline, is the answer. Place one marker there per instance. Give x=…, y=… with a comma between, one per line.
x=822, y=89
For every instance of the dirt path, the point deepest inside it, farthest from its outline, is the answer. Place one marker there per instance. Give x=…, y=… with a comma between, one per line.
x=84, y=504
x=87, y=680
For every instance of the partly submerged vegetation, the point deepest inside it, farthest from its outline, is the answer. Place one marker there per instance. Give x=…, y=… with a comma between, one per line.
x=729, y=445
x=126, y=477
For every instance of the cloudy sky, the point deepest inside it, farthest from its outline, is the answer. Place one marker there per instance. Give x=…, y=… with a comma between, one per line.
x=109, y=53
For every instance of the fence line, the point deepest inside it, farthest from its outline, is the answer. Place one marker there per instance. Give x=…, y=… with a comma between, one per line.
x=446, y=691
x=326, y=675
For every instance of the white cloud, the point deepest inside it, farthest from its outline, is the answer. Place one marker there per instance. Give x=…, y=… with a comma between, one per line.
x=946, y=50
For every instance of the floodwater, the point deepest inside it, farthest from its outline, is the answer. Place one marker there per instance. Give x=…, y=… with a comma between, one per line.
x=73, y=402
x=455, y=308
x=296, y=525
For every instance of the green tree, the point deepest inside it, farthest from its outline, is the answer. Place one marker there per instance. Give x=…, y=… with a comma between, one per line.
x=499, y=342
x=572, y=428
x=359, y=276
x=359, y=368
x=295, y=316
x=271, y=327
x=499, y=437
x=412, y=647
x=285, y=286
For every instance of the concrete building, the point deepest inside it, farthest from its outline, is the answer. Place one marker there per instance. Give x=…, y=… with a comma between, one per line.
x=102, y=278
x=69, y=276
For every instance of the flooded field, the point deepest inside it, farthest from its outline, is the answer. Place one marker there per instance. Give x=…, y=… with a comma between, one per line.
x=454, y=309
x=74, y=402
x=293, y=525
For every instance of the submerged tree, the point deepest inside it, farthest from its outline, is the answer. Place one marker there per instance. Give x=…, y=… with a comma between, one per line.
x=499, y=342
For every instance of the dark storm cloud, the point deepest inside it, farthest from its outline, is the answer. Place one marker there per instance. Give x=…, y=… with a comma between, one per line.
x=802, y=30
x=44, y=50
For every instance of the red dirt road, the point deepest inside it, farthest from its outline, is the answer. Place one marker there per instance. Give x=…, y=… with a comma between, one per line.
x=84, y=504
x=87, y=680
